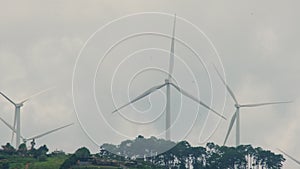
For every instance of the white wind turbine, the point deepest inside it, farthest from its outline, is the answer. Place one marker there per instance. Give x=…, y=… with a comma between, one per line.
x=236, y=115
x=169, y=83
x=37, y=136
x=289, y=156
x=17, y=118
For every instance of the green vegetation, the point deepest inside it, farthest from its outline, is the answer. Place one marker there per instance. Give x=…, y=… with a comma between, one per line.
x=142, y=153
x=182, y=155
x=10, y=158
x=95, y=167
x=50, y=163
x=19, y=162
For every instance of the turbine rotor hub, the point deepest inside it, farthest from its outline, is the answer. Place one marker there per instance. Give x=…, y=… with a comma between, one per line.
x=167, y=81
x=19, y=104
x=237, y=106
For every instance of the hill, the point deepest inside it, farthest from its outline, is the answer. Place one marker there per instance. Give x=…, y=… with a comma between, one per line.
x=143, y=153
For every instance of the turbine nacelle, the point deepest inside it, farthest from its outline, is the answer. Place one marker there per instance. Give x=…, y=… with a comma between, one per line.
x=19, y=105
x=237, y=106
x=167, y=81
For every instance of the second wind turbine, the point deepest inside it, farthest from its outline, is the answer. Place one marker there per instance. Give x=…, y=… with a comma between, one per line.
x=17, y=117
x=168, y=83
x=236, y=116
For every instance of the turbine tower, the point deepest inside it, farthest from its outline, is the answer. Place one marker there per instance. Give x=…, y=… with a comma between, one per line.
x=37, y=136
x=168, y=83
x=236, y=116
x=289, y=156
x=17, y=118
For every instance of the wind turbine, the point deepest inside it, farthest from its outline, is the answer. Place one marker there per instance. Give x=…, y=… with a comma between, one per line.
x=236, y=115
x=37, y=136
x=289, y=156
x=168, y=83
x=17, y=118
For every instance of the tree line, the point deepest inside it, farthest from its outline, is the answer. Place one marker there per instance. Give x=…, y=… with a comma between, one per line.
x=183, y=155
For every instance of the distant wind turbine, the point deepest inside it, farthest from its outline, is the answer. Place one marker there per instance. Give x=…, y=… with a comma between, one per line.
x=37, y=136
x=169, y=83
x=292, y=158
x=236, y=115
x=17, y=118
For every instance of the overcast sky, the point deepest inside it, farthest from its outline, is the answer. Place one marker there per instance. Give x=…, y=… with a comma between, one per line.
x=49, y=43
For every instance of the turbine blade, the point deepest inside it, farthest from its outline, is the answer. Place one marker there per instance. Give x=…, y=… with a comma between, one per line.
x=263, y=104
x=7, y=98
x=196, y=100
x=171, y=63
x=9, y=126
x=231, y=125
x=36, y=94
x=48, y=132
x=146, y=93
x=14, y=126
x=292, y=158
x=227, y=87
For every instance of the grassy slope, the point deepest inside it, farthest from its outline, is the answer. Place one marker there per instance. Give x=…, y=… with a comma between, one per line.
x=17, y=162
x=95, y=167
x=51, y=163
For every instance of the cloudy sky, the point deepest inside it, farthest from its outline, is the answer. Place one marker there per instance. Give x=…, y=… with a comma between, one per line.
x=66, y=45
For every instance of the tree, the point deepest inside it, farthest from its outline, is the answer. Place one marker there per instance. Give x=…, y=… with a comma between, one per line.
x=40, y=153
x=22, y=150
x=4, y=165
x=267, y=159
x=183, y=155
x=69, y=162
x=8, y=149
x=82, y=153
x=140, y=136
